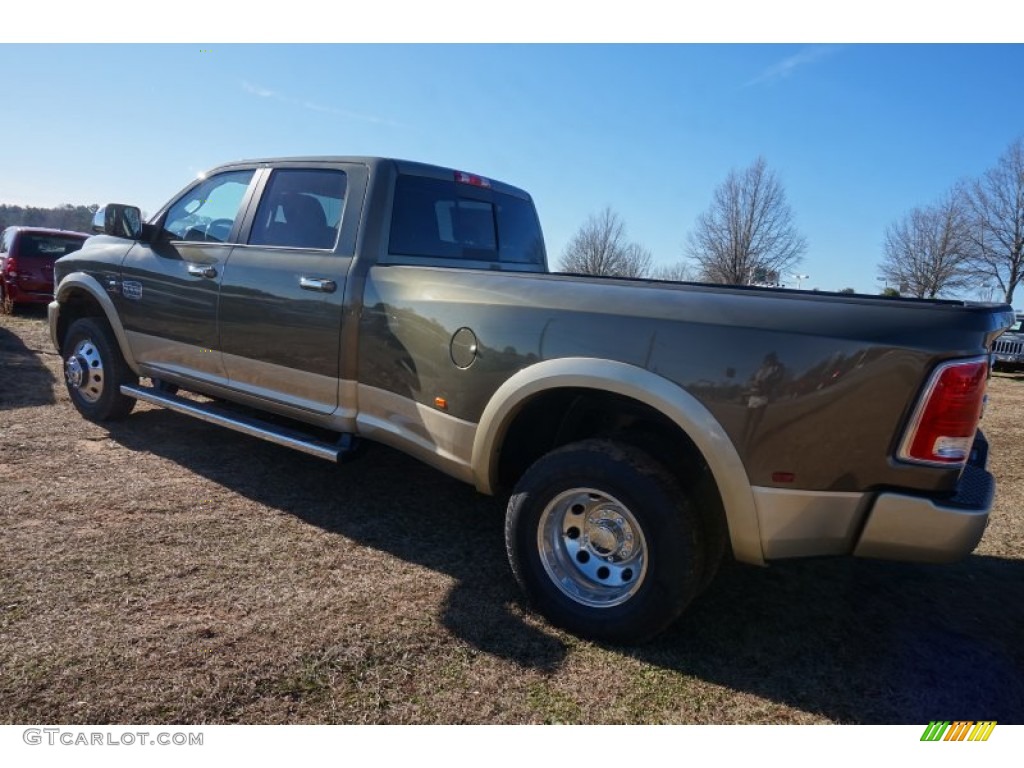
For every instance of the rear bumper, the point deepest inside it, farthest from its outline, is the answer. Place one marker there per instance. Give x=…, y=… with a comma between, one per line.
x=891, y=525
x=921, y=529
x=52, y=316
x=21, y=295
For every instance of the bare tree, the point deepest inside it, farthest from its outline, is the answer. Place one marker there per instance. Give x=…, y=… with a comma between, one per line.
x=600, y=247
x=747, y=234
x=680, y=272
x=997, y=229
x=928, y=251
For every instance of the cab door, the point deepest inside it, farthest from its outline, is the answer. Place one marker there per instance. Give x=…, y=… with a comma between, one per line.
x=282, y=295
x=169, y=286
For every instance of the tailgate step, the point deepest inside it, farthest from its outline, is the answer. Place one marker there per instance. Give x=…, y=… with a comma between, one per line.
x=248, y=425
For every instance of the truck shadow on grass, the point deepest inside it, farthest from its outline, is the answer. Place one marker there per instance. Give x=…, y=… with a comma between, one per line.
x=851, y=640
x=383, y=500
x=862, y=641
x=25, y=382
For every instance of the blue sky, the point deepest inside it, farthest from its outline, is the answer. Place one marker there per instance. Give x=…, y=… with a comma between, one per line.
x=858, y=133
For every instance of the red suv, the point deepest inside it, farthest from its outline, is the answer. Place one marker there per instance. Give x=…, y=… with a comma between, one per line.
x=26, y=263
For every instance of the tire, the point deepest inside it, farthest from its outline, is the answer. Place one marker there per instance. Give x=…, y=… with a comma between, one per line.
x=94, y=371
x=7, y=306
x=604, y=541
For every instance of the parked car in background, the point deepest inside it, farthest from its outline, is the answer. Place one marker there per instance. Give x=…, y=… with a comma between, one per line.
x=26, y=263
x=1008, y=350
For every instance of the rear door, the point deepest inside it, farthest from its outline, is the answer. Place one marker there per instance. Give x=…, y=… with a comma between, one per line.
x=168, y=291
x=282, y=295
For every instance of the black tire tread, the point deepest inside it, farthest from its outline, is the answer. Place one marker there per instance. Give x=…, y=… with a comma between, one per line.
x=673, y=530
x=112, y=405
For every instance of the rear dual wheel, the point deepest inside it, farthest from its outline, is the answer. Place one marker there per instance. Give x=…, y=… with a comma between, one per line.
x=605, y=542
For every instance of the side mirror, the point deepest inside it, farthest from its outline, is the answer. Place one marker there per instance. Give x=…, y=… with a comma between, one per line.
x=118, y=220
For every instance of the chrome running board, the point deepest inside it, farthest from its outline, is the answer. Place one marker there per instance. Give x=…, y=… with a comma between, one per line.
x=248, y=425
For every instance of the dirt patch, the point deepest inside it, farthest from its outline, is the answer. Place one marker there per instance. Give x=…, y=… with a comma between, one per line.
x=165, y=570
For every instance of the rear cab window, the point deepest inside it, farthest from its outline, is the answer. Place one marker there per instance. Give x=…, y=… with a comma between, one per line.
x=443, y=222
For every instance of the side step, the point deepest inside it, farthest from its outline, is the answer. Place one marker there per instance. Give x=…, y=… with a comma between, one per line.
x=273, y=433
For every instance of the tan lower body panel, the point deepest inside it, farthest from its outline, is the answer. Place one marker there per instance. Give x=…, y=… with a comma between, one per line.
x=315, y=399
x=433, y=437
x=806, y=523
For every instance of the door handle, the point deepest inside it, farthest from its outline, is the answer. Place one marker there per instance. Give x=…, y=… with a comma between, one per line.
x=317, y=284
x=202, y=270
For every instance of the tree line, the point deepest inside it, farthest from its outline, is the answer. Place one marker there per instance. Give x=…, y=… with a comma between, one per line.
x=76, y=218
x=746, y=236
x=970, y=239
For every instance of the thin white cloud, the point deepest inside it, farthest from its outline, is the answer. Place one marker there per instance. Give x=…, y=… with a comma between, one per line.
x=345, y=113
x=257, y=90
x=785, y=68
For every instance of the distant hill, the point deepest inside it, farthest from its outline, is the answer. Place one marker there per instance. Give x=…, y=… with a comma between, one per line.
x=73, y=217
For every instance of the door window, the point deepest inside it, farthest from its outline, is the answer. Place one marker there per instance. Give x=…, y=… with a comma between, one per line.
x=207, y=212
x=301, y=208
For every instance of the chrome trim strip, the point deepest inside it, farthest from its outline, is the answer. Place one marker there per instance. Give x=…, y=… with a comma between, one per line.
x=807, y=523
x=253, y=428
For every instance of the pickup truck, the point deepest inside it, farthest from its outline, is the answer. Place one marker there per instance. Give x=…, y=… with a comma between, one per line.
x=644, y=429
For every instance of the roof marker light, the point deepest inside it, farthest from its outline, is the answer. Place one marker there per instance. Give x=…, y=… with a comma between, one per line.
x=472, y=179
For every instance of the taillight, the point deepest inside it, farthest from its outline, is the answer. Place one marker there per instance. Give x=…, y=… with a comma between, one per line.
x=11, y=267
x=946, y=418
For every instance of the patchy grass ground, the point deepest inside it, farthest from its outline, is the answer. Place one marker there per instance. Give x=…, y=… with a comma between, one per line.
x=170, y=571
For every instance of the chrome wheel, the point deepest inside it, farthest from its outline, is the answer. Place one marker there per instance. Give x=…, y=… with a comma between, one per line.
x=592, y=547
x=83, y=370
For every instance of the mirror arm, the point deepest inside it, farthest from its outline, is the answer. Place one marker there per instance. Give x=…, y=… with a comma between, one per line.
x=149, y=233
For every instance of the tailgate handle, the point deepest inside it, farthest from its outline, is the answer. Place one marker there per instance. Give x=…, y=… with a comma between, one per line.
x=317, y=284
x=202, y=270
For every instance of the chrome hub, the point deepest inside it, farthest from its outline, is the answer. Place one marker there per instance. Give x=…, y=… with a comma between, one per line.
x=83, y=370
x=73, y=371
x=592, y=547
x=609, y=535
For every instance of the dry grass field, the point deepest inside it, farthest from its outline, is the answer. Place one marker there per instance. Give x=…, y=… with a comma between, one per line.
x=168, y=571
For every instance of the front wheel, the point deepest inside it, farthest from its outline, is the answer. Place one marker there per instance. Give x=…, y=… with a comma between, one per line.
x=94, y=371
x=604, y=541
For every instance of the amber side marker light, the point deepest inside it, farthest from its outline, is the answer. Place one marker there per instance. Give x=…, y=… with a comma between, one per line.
x=441, y=403
x=942, y=429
